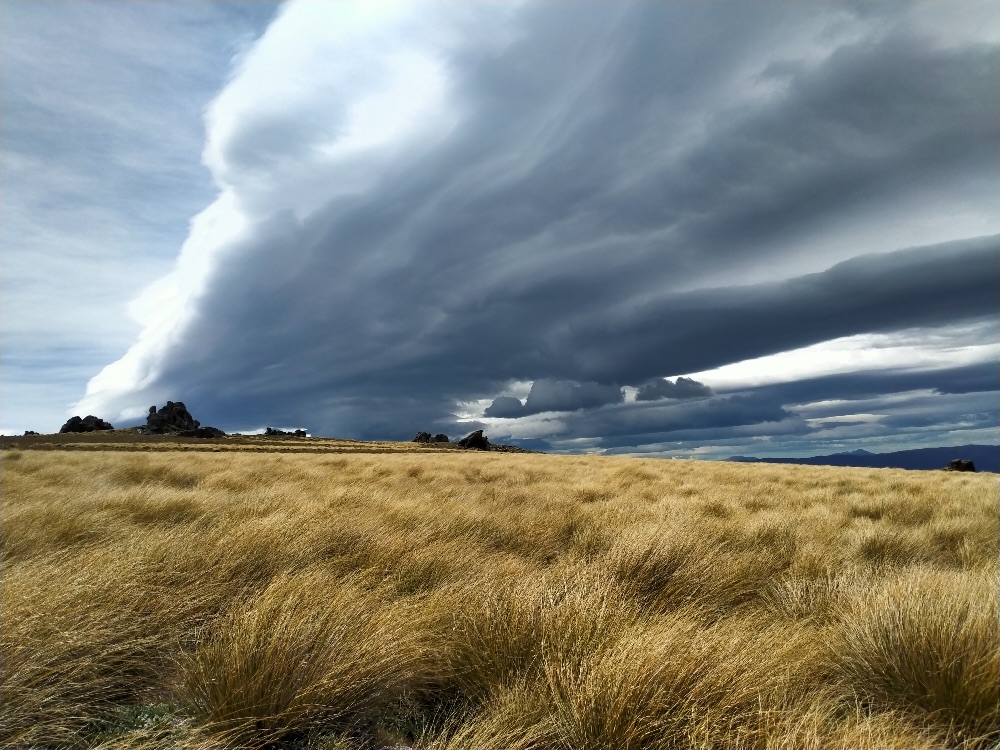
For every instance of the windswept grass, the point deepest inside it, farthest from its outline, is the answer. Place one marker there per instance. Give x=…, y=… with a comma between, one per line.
x=312, y=651
x=925, y=641
x=447, y=600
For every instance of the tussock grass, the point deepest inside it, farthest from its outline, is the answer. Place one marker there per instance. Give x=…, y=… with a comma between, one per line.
x=454, y=600
x=498, y=636
x=289, y=661
x=926, y=641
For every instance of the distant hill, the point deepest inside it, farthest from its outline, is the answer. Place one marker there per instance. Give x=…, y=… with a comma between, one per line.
x=985, y=457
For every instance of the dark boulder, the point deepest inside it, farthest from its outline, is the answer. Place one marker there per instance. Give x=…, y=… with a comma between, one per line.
x=422, y=437
x=175, y=419
x=960, y=464
x=89, y=423
x=475, y=441
x=29, y=432
x=441, y=438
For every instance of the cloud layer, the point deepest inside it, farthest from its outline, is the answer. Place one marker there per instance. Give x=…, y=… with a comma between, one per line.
x=438, y=216
x=101, y=132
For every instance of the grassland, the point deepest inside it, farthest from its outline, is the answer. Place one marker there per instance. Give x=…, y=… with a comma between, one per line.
x=442, y=599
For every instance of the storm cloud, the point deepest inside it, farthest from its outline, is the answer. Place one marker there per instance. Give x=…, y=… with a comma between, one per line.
x=441, y=216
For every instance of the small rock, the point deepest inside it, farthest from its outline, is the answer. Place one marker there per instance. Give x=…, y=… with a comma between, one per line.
x=30, y=432
x=960, y=464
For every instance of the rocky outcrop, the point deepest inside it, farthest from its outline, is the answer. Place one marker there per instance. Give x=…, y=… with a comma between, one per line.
x=426, y=437
x=960, y=464
x=272, y=432
x=479, y=442
x=175, y=419
x=89, y=423
x=172, y=418
x=508, y=449
x=29, y=432
x=475, y=441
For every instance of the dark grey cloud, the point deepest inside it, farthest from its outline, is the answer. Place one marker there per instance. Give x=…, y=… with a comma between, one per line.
x=681, y=388
x=649, y=422
x=505, y=407
x=978, y=378
x=556, y=395
x=708, y=328
x=624, y=193
x=376, y=348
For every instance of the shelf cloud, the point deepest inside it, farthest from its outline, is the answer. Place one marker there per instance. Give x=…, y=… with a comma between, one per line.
x=548, y=217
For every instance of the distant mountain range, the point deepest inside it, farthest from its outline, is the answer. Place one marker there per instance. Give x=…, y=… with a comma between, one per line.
x=985, y=457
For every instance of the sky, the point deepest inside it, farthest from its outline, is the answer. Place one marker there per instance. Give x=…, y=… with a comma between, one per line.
x=671, y=229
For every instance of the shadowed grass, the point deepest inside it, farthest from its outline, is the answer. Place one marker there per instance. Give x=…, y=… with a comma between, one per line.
x=79, y=644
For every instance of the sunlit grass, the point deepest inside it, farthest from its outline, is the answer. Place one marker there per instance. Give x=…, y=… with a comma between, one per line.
x=469, y=600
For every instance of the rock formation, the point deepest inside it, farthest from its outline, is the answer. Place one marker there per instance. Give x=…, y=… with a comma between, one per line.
x=426, y=437
x=175, y=419
x=89, y=423
x=272, y=432
x=475, y=441
x=960, y=464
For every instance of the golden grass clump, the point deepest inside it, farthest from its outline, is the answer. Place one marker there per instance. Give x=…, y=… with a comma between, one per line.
x=928, y=642
x=81, y=638
x=309, y=652
x=164, y=596
x=496, y=635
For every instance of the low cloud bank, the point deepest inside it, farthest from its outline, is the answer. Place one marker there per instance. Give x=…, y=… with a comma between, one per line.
x=659, y=388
